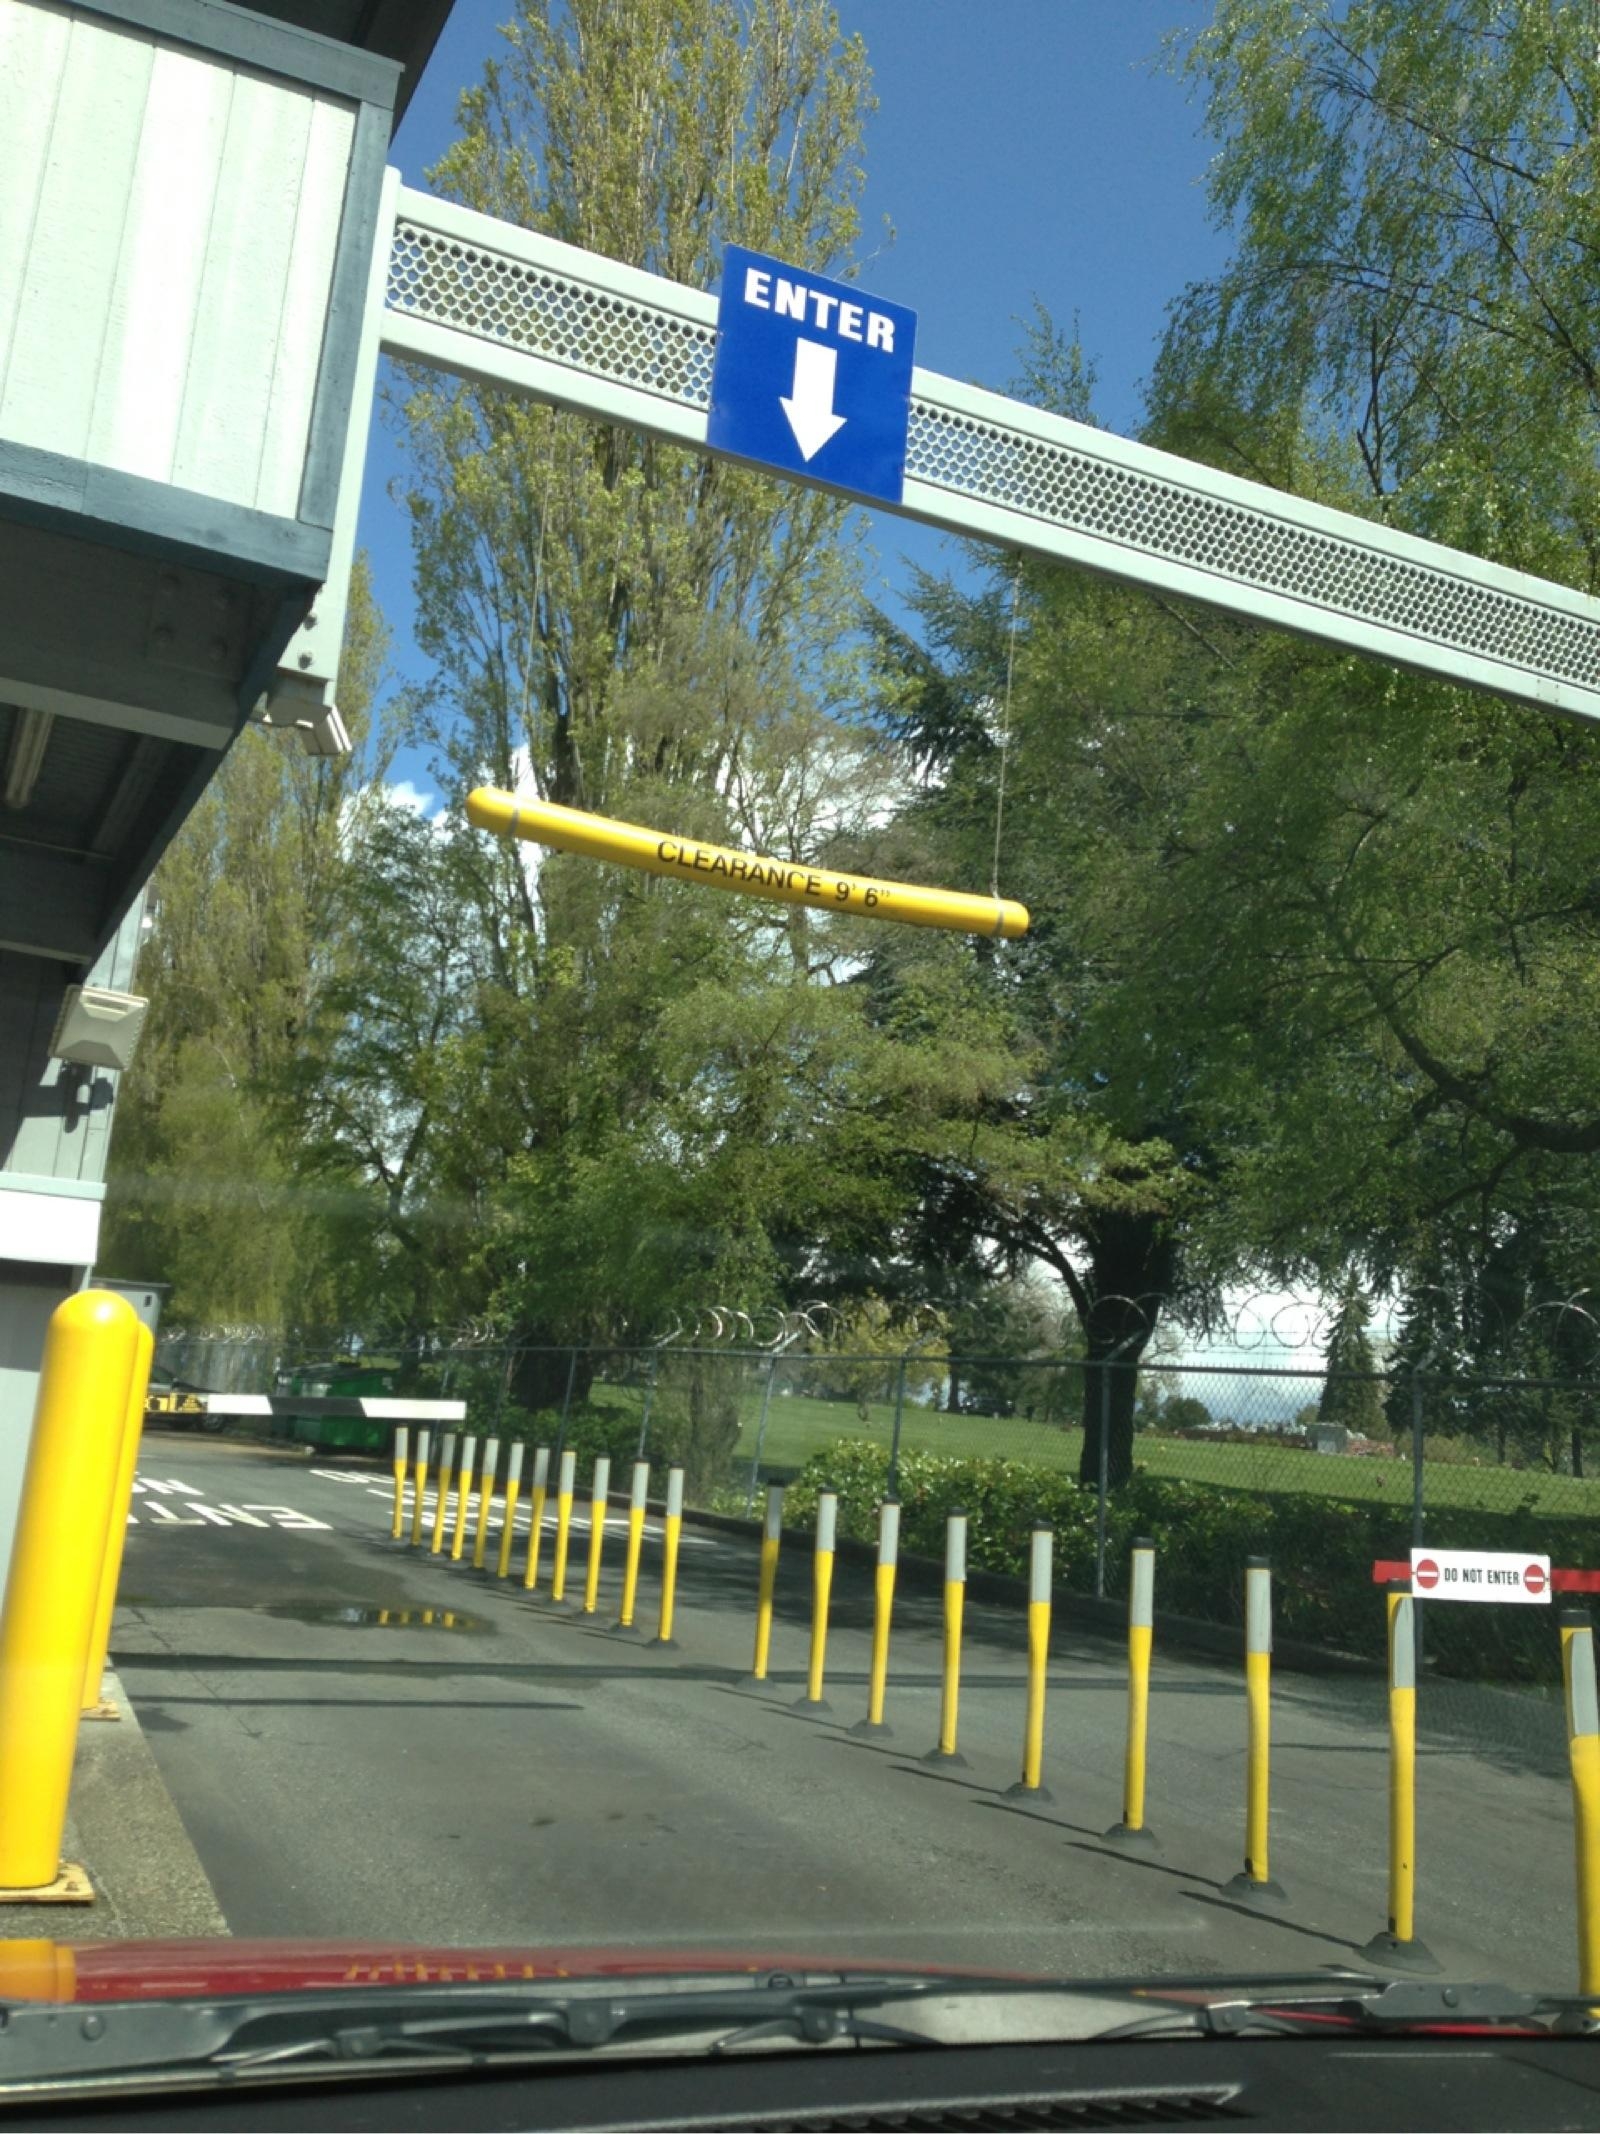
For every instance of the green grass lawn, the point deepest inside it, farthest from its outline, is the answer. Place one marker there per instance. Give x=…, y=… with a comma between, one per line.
x=799, y=1427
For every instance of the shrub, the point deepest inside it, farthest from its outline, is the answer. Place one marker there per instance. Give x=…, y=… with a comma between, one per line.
x=1322, y=1548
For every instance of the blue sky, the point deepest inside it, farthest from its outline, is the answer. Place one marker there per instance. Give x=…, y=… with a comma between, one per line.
x=1022, y=150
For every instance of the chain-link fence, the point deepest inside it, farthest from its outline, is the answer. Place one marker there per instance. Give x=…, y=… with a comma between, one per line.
x=1326, y=1472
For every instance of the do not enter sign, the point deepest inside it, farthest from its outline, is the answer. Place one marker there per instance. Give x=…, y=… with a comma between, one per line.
x=1479, y=1575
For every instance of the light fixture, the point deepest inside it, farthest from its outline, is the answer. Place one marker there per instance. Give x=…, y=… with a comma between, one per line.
x=30, y=737
x=97, y=1028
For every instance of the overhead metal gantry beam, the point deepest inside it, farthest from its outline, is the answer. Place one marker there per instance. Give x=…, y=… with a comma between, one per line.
x=488, y=301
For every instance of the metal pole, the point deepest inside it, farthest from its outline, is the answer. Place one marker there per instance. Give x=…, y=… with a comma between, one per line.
x=1100, y=1506
x=1032, y=1782
x=638, y=1498
x=419, y=1483
x=1417, y=1480
x=566, y=1404
x=469, y=1460
x=894, y=1442
x=761, y=1437
x=566, y=1473
x=486, y=1481
x=649, y=1403
x=597, y=1531
x=541, y=1491
x=402, y=1438
x=671, y=1531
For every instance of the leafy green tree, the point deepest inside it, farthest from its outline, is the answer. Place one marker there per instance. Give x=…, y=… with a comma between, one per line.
x=1392, y=916
x=1351, y=1393
x=247, y=921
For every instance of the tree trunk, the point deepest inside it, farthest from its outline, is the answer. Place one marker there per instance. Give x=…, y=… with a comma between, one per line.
x=539, y=1378
x=1130, y=1273
x=952, y=1398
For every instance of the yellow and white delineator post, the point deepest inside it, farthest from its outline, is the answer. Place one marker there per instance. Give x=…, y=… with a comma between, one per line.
x=540, y=1497
x=566, y=1479
x=419, y=1485
x=1031, y=1785
x=486, y=1481
x=671, y=1533
x=1133, y=1834
x=686, y=859
x=597, y=1531
x=508, y=1509
x=1255, y=1885
x=882, y=1613
x=821, y=1591
x=944, y=1750
x=771, y=1539
x=58, y=1558
x=447, y=1455
x=1399, y=1945
x=469, y=1460
x=638, y=1499
x=1583, y=1753
x=402, y=1447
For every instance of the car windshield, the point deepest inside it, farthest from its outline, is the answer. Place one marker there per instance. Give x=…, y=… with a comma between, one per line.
x=855, y=1226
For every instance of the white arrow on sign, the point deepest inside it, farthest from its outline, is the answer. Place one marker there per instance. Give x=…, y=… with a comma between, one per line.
x=810, y=408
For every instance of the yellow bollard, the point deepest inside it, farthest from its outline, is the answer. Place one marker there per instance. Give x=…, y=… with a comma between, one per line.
x=597, y=1531
x=541, y=1490
x=955, y=1601
x=1132, y=1833
x=1031, y=1784
x=401, y=1448
x=638, y=1498
x=564, y=1484
x=1583, y=1752
x=117, y=1529
x=771, y=1537
x=419, y=1484
x=888, y=1557
x=446, y=1462
x=1400, y=1945
x=821, y=1589
x=1255, y=1884
x=509, y=1510
x=672, y=1528
x=491, y=1461
x=90, y=1354
x=469, y=1460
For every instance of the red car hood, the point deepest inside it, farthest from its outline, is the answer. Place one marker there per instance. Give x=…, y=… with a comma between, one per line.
x=190, y=1970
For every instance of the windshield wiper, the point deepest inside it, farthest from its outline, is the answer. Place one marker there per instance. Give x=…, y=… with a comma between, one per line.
x=1395, y=2005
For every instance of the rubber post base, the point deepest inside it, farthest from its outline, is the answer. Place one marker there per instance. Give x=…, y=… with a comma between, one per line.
x=873, y=1729
x=764, y=1683
x=628, y=1630
x=952, y=1759
x=71, y=1886
x=1127, y=1839
x=1245, y=1889
x=105, y=1709
x=818, y=1706
x=666, y=1644
x=1022, y=1791
x=1390, y=1954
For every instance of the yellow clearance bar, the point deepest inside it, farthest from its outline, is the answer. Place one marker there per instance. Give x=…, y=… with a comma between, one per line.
x=684, y=859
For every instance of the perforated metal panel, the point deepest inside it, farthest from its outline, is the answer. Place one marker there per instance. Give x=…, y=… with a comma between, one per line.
x=494, y=302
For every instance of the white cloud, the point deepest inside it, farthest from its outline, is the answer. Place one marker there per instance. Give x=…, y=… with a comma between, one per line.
x=406, y=794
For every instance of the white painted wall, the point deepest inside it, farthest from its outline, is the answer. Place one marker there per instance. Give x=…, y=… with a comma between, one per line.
x=168, y=224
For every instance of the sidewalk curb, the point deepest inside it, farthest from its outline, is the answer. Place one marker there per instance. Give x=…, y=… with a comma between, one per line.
x=122, y=1825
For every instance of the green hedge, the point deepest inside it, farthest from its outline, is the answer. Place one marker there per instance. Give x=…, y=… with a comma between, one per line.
x=1322, y=1549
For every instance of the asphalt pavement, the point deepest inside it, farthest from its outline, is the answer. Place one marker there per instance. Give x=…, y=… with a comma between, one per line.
x=366, y=1740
